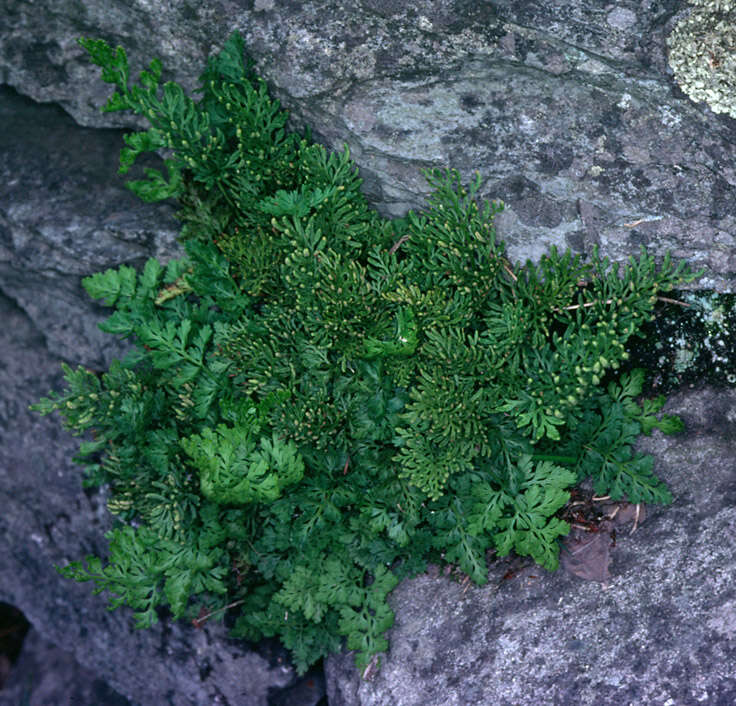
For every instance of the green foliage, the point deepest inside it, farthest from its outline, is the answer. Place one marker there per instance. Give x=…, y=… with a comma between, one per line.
x=234, y=472
x=146, y=570
x=319, y=401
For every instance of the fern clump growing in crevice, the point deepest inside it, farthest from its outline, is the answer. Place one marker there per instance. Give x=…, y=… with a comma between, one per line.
x=320, y=401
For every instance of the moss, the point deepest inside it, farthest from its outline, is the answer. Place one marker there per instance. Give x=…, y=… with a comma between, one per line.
x=702, y=54
x=690, y=345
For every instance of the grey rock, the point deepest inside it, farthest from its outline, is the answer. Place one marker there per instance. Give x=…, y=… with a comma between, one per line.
x=65, y=214
x=46, y=674
x=47, y=519
x=568, y=111
x=661, y=631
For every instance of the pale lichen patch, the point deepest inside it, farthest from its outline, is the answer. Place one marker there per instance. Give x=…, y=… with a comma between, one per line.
x=702, y=54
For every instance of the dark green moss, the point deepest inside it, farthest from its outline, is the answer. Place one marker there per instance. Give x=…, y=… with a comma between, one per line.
x=692, y=343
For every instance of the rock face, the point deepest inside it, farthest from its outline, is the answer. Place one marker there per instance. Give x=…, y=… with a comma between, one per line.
x=661, y=631
x=46, y=674
x=64, y=214
x=568, y=112
x=571, y=116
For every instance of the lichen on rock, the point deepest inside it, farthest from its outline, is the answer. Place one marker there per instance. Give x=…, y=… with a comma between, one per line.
x=702, y=53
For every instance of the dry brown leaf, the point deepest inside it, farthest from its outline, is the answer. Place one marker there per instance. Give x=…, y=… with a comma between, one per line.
x=586, y=552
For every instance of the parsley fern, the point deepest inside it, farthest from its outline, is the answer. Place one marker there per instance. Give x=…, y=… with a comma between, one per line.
x=321, y=400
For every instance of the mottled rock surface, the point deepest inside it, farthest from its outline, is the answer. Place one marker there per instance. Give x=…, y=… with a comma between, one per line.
x=568, y=111
x=47, y=674
x=65, y=214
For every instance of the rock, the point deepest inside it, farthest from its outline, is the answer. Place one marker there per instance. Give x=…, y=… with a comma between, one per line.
x=65, y=214
x=47, y=519
x=46, y=674
x=570, y=113
x=662, y=630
